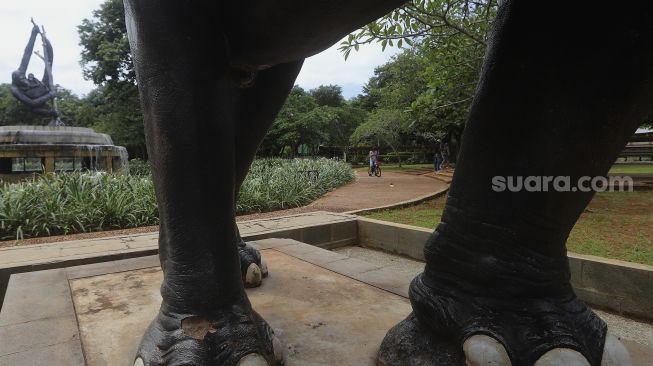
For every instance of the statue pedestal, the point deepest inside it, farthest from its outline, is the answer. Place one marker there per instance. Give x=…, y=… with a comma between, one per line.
x=326, y=308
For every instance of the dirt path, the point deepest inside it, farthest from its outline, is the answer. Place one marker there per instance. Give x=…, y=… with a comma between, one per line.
x=365, y=192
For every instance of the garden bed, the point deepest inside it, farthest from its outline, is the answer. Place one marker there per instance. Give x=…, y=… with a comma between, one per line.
x=63, y=204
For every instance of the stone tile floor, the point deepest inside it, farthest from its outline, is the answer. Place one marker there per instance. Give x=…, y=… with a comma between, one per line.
x=625, y=328
x=328, y=308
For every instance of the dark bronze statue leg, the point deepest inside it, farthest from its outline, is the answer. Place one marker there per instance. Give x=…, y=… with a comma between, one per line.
x=561, y=92
x=205, y=114
x=193, y=103
x=267, y=92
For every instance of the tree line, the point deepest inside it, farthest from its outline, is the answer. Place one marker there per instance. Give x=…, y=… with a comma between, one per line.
x=419, y=99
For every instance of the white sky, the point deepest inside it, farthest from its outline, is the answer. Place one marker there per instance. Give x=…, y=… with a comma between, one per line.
x=61, y=19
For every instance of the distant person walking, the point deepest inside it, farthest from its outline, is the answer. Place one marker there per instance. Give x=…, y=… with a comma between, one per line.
x=444, y=149
x=437, y=161
x=374, y=155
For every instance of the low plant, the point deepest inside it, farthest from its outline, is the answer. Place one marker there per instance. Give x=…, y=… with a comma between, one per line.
x=56, y=204
x=283, y=183
x=67, y=203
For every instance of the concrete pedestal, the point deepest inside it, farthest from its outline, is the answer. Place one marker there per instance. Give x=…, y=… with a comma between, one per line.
x=327, y=309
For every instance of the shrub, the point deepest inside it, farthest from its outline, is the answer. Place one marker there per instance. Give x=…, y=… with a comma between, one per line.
x=76, y=202
x=139, y=167
x=63, y=203
x=280, y=183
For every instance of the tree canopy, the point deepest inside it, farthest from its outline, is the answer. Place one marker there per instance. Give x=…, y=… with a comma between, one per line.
x=106, y=57
x=420, y=97
x=385, y=125
x=435, y=79
x=320, y=116
x=113, y=107
x=328, y=95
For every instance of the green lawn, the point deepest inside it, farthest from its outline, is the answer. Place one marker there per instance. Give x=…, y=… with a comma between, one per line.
x=616, y=225
x=631, y=169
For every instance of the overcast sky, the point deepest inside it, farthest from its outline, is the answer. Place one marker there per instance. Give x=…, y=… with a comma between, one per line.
x=61, y=19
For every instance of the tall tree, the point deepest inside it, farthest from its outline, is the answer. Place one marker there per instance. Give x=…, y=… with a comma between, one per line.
x=328, y=95
x=106, y=60
x=395, y=84
x=387, y=125
x=451, y=37
x=342, y=122
x=106, y=57
x=292, y=127
x=311, y=118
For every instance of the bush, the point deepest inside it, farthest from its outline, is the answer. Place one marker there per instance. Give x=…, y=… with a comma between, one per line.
x=76, y=202
x=280, y=183
x=139, y=167
x=55, y=204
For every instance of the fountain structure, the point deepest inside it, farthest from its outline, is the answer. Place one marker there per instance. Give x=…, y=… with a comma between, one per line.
x=25, y=150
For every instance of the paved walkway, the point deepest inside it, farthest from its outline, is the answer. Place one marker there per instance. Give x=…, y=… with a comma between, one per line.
x=76, y=252
x=370, y=192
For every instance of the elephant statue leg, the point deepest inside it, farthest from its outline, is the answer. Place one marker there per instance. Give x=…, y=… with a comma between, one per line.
x=562, y=89
x=197, y=109
x=205, y=114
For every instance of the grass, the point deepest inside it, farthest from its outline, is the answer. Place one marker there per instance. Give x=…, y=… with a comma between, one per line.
x=616, y=225
x=426, y=214
x=56, y=204
x=632, y=169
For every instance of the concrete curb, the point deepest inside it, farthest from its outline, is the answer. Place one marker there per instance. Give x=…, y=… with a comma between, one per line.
x=622, y=287
x=410, y=202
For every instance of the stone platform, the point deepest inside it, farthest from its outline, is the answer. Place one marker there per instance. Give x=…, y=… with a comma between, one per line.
x=323, y=229
x=326, y=307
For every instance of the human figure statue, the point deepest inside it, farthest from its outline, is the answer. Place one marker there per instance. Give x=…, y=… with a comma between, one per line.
x=29, y=90
x=565, y=85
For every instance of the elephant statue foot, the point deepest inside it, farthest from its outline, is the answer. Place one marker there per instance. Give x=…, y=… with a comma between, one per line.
x=455, y=331
x=412, y=343
x=252, y=265
x=234, y=335
x=455, y=322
